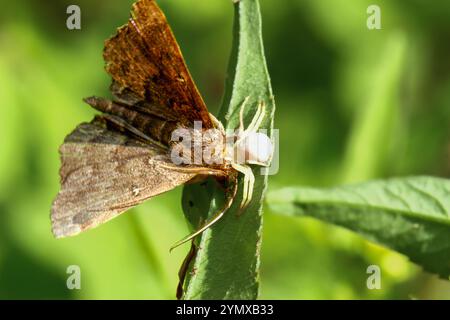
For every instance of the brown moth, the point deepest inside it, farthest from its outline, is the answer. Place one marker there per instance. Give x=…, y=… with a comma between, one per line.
x=124, y=155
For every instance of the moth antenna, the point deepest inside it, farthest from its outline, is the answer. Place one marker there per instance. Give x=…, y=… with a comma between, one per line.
x=211, y=222
x=184, y=269
x=207, y=225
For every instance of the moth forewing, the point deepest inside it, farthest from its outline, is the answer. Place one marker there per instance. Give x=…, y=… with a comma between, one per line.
x=146, y=64
x=105, y=173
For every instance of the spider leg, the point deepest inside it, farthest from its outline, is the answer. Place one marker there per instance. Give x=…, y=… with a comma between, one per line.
x=241, y=115
x=197, y=170
x=244, y=192
x=258, y=118
x=251, y=185
x=255, y=123
x=249, y=181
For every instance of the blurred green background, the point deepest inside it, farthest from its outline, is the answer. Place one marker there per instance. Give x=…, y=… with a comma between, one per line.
x=353, y=105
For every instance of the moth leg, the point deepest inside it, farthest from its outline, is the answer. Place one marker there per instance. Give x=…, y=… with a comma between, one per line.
x=249, y=182
x=122, y=124
x=198, y=170
x=230, y=197
x=184, y=268
x=217, y=123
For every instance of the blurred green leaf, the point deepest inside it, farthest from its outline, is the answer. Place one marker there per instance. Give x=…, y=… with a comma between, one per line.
x=374, y=129
x=11, y=146
x=409, y=215
x=227, y=262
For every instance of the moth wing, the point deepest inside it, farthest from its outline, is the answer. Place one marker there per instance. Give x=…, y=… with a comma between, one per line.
x=104, y=173
x=148, y=68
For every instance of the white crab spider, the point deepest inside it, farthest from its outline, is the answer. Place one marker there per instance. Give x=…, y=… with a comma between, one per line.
x=250, y=147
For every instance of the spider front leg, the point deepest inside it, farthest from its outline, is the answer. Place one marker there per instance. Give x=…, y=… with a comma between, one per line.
x=257, y=118
x=254, y=124
x=249, y=182
x=241, y=115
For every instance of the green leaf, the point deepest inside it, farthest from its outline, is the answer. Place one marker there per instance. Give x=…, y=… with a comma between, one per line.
x=227, y=262
x=409, y=215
